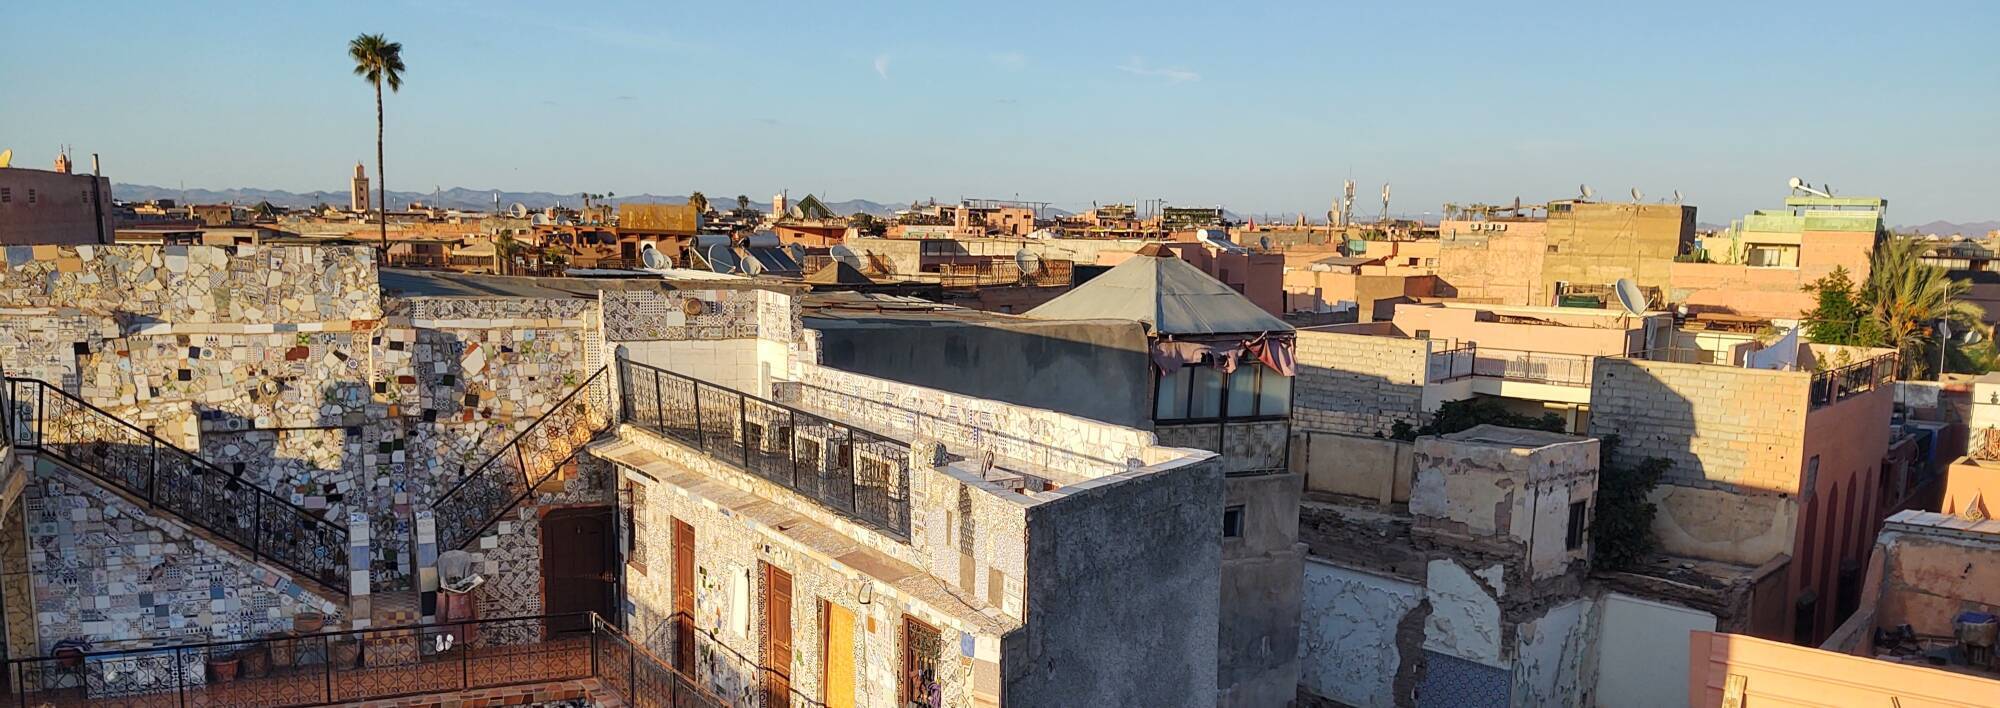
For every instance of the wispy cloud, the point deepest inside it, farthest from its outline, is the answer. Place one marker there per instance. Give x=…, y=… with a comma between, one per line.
x=1012, y=61
x=1137, y=66
x=882, y=65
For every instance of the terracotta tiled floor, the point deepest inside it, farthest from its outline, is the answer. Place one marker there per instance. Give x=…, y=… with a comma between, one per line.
x=560, y=660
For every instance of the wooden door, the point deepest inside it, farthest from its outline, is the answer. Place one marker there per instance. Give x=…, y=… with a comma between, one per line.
x=683, y=596
x=921, y=648
x=836, y=645
x=579, y=562
x=777, y=637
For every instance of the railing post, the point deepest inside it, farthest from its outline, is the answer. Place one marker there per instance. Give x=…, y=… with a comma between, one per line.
x=326, y=655
x=700, y=432
x=632, y=671
x=521, y=460
x=593, y=645
x=659, y=405
x=465, y=661
x=792, y=443
x=743, y=427
x=180, y=686
x=152, y=469
x=624, y=390
x=41, y=412
x=256, y=528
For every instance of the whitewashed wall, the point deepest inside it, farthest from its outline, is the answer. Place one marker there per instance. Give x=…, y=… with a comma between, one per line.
x=1642, y=652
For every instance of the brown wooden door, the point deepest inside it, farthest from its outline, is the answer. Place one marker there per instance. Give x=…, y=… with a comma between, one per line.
x=579, y=562
x=777, y=637
x=683, y=596
x=921, y=646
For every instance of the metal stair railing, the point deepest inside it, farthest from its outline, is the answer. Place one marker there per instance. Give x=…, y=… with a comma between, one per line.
x=124, y=457
x=511, y=473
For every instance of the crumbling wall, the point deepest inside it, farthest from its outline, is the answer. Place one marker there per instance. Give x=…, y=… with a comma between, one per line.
x=1465, y=618
x=1350, y=649
x=1552, y=657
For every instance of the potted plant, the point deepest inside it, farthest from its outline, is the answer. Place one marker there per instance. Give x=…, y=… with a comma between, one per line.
x=222, y=667
x=256, y=658
x=307, y=622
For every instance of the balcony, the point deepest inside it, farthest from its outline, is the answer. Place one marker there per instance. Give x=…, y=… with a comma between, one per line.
x=853, y=472
x=564, y=657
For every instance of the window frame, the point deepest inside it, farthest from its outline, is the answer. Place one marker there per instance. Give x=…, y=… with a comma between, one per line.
x=1233, y=512
x=1186, y=406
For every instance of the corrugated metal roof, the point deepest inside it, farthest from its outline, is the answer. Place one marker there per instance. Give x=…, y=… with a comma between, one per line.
x=1167, y=294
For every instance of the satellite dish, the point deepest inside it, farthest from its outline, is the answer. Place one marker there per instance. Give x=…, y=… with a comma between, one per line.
x=1630, y=296
x=650, y=255
x=518, y=210
x=6, y=158
x=722, y=259
x=752, y=266
x=797, y=252
x=1795, y=183
x=846, y=255
x=1027, y=261
x=1638, y=196
x=1264, y=242
x=1584, y=191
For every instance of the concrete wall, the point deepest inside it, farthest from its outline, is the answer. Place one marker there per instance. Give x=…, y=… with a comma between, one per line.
x=1366, y=467
x=1845, y=445
x=1595, y=244
x=1261, y=575
x=1928, y=577
x=1553, y=661
x=1148, y=639
x=1357, y=384
x=1351, y=646
x=1782, y=674
x=1030, y=363
x=1640, y=663
x=47, y=207
x=1502, y=267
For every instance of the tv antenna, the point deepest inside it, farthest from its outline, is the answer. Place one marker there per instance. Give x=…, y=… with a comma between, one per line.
x=1677, y=196
x=1385, y=202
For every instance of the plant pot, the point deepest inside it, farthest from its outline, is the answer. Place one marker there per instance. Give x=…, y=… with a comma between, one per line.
x=223, y=670
x=346, y=654
x=256, y=660
x=69, y=657
x=282, y=651
x=308, y=622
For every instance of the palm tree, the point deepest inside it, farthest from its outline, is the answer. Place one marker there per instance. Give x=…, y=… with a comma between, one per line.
x=1906, y=296
x=742, y=202
x=699, y=201
x=378, y=61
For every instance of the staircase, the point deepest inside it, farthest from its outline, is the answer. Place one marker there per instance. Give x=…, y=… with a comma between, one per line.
x=43, y=419
x=527, y=461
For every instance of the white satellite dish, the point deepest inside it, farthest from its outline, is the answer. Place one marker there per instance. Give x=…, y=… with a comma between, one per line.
x=846, y=255
x=1799, y=185
x=650, y=255
x=797, y=252
x=1630, y=297
x=1584, y=191
x=722, y=259
x=1638, y=196
x=518, y=210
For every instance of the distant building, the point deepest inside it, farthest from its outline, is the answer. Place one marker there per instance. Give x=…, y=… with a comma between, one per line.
x=54, y=206
x=357, y=195
x=1761, y=263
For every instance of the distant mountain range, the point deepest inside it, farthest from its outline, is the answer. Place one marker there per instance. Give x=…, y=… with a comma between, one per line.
x=1974, y=229
x=455, y=198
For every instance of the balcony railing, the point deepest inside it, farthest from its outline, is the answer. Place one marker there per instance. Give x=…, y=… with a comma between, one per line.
x=347, y=667
x=511, y=473
x=849, y=470
x=162, y=477
x=1533, y=367
x=1836, y=385
x=1450, y=364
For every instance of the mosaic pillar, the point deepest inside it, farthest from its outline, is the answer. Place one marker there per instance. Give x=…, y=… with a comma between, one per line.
x=427, y=573
x=16, y=585
x=359, y=536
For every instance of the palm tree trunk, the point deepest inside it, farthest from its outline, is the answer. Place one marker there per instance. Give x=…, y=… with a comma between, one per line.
x=381, y=181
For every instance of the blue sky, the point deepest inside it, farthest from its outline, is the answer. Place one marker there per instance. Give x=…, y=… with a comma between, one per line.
x=1262, y=109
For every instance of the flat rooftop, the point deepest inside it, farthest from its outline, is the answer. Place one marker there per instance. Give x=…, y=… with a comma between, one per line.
x=1513, y=438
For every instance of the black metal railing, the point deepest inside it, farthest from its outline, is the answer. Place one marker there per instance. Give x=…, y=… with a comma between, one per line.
x=131, y=460
x=512, y=472
x=852, y=471
x=350, y=666
x=1449, y=364
x=1835, y=385
x=1532, y=366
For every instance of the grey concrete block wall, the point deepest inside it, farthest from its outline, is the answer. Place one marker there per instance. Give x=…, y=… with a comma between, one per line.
x=1358, y=384
x=1719, y=425
x=1123, y=595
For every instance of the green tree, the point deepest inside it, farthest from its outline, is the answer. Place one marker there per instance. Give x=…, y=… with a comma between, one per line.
x=1455, y=416
x=742, y=202
x=378, y=61
x=1621, y=528
x=700, y=202
x=1905, y=298
x=1838, y=317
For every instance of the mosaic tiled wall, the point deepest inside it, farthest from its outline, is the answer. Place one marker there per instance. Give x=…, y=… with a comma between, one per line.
x=144, y=285
x=729, y=611
x=698, y=315
x=105, y=571
x=510, y=554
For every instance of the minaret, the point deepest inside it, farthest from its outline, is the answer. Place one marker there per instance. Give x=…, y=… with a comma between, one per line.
x=357, y=200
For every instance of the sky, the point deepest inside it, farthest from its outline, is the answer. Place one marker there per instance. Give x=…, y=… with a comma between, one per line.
x=1261, y=107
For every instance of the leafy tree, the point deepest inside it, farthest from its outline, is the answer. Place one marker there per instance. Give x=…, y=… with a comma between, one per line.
x=1839, y=317
x=1621, y=530
x=1455, y=416
x=742, y=202
x=700, y=202
x=1906, y=296
x=378, y=61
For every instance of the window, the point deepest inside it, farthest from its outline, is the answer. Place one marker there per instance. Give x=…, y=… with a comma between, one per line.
x=1579, y=517
x=1243, y=391
x=1423, y=334
x=1232, y=521
x=6, y=195
x=1275, y=396
x=1205, y=393
x=1170, y=400
x=31, y=196
x=1207, y=399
